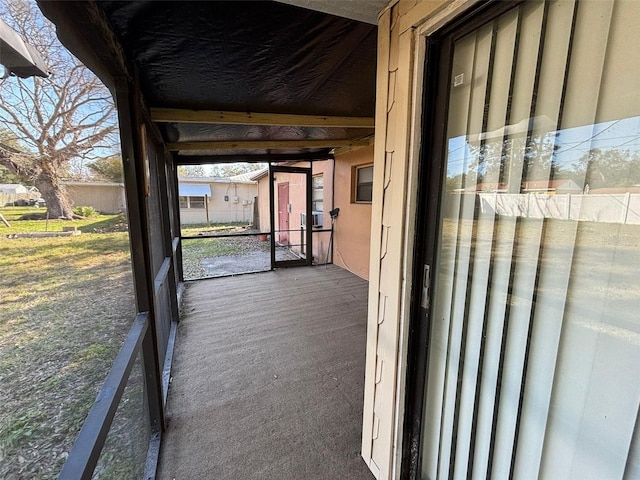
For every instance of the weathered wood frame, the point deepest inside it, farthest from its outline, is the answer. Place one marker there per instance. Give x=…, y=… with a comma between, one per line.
x=177, y=115
x=155, y=281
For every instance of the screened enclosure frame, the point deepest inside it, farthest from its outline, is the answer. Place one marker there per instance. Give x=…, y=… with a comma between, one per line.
x=275, y=163
x=307, y=172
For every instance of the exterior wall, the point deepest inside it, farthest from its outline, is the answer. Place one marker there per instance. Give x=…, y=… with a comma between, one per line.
x=13, y=188
x=352, y=230
x=10, y=199
x=398, y=101
x=263, y=204
x=321, y=239
x=221, y=211
x=104, y=197
x=297, y=199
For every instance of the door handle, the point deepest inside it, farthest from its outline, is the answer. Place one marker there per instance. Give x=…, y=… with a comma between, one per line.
x=426, y=284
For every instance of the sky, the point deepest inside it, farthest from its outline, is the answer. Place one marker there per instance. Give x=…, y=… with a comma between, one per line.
x=572, y=143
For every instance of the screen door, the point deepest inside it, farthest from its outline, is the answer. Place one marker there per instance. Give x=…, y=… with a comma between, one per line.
x=291, y=206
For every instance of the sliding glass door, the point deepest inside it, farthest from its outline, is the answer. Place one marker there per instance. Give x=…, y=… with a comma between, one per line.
x=534, y=321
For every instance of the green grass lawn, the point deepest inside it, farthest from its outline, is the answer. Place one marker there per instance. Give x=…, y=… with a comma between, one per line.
x=66, y=305
x=97, y=224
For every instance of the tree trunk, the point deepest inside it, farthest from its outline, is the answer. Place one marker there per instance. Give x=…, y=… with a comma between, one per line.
x=58, y=205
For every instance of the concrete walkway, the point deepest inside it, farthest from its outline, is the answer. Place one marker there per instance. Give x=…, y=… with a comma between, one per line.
x=268, y=378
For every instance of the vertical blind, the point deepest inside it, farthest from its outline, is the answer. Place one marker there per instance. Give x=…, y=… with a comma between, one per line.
x=535, y=325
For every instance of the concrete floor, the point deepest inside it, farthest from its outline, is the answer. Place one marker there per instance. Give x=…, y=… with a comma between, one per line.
x=268, y=378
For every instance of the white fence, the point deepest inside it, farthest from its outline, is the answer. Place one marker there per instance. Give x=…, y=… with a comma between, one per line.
x=606, y=208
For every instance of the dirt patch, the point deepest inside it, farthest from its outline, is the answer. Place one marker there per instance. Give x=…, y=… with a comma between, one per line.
x=233, y=264
x=258, y=261
x=211, y=256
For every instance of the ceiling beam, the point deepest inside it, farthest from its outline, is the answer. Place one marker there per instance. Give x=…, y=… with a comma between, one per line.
x=256, y=158
x=343, y=150
x=265, y=144
x=177, y=115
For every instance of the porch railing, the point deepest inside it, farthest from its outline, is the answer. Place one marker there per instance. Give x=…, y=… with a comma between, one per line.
x=295, y=243
x=89, y=444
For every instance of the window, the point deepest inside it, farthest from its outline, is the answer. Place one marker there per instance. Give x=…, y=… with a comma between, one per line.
x=196, y=202
x=317, y=199
x=363, y=184
x=191, y=202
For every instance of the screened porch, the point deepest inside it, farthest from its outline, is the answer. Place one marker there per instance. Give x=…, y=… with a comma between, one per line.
x=267, y=378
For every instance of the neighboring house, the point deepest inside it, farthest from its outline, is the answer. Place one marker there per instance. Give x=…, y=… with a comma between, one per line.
x=105, y=197
x=17, y=194
x=216, y=199
x=344, y=183
x=551, y=186
x=530, y=186
x=13, y=188
x=484, y=187
x=498, y=346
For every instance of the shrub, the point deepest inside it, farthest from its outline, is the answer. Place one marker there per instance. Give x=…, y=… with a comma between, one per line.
x=85, y=211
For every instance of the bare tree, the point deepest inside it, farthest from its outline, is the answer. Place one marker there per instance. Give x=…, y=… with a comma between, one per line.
x=108, y=168
x=231, y=169
x=191, y=171
x=66, y=117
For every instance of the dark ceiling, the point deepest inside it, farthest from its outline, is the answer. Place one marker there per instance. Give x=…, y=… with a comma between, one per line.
x=243, y=56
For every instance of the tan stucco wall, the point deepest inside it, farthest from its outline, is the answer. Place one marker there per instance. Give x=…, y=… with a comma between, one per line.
x=352, y=230
x=321, y=239
x=263, y=204
x=104, y=198
x=398, y=100
x=221, y=211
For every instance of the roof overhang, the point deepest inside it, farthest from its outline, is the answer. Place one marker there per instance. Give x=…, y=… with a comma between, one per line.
x=18, y=57
x=362, y=10
x=194, y=190
x=236, y=79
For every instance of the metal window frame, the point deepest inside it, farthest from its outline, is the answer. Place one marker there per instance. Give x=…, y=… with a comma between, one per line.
x=439, y=53
x=356, y=183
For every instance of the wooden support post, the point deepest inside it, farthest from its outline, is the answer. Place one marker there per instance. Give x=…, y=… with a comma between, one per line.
x=136, y=183
x=206, y=207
